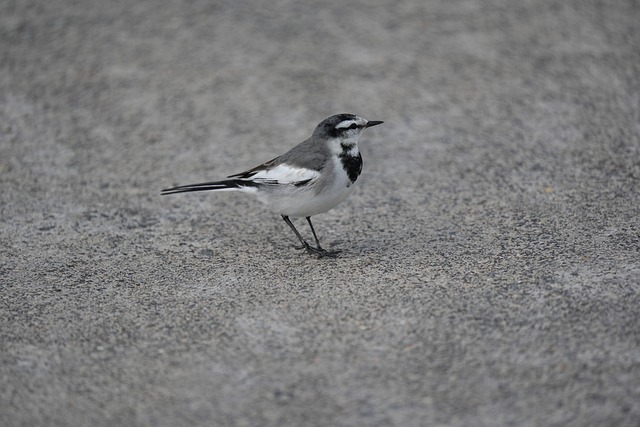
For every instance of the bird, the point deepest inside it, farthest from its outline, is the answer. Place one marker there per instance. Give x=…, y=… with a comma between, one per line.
x=311, y=178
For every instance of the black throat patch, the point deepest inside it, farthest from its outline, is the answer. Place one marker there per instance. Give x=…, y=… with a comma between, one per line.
x=352, y=164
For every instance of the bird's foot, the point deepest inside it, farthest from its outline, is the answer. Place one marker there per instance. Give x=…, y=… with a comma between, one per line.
x=320, y=252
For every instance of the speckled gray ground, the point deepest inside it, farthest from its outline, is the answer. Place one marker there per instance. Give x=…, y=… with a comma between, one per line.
x=490, y=268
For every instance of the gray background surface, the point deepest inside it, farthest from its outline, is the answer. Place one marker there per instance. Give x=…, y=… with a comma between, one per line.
x=490, y=268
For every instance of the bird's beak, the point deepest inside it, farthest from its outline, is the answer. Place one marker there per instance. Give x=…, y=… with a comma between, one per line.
x=373, y=123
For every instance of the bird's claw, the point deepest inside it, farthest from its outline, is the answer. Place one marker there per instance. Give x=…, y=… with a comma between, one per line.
x=320, y=252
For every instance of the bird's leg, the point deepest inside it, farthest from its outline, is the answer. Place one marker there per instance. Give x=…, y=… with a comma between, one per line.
x=305, y=245
x=315, y=236
x=314, y=232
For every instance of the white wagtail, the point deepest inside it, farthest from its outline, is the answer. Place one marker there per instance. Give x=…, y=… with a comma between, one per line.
x=311, y=178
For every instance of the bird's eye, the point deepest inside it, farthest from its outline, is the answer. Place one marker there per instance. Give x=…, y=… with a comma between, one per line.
x=353, y=126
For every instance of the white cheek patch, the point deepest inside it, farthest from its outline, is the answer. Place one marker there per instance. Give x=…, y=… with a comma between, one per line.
x=285, y=174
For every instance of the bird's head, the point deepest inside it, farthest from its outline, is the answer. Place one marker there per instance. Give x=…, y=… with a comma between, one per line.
x=346, y=127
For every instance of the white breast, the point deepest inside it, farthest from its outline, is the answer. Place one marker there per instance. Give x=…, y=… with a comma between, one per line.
x=321, y=194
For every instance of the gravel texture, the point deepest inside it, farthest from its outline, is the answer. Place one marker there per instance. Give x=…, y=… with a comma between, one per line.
x=490, y=265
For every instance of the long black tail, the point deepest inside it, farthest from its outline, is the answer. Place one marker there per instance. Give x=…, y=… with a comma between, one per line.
x=229, y=184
